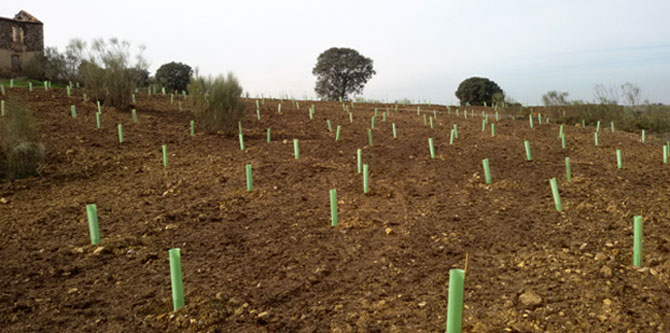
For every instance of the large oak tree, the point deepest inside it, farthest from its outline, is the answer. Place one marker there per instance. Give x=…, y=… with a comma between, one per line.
x=478, y=90
x=340, y=72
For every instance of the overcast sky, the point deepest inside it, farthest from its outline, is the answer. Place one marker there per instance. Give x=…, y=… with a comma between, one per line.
x=421, y=49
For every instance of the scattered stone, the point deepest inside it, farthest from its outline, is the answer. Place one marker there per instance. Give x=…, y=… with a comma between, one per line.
x=4, y=201
x=72, y=291
x=606, y=272
x=600, y=256
x=100, y=250
x=607, y=301
x=388, y=231
x=263, y=314
x=379, y=305
x=422, y=304
x=530, y=298
x=77, y=250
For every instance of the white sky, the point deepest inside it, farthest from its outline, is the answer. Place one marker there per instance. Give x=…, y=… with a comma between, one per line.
x=421, y=49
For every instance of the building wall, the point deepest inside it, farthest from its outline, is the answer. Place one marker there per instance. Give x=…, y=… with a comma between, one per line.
x=33, y=43
x=6, y=58
x=6, y=61
x=33, y=37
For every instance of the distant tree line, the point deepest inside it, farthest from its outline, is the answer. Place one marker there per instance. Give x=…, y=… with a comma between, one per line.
x=102, y=65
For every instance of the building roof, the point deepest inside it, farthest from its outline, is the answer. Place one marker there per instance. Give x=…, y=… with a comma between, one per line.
x=26, y=17
x=23, y=16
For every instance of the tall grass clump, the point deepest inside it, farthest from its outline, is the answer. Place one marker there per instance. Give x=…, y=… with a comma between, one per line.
x=21, y=151
x=216, y=102
x=108, y=71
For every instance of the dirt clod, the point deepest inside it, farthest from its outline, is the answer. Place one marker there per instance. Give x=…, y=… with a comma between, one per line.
x=530, y=298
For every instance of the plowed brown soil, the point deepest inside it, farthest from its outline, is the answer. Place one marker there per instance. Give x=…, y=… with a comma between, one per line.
x=269, y=261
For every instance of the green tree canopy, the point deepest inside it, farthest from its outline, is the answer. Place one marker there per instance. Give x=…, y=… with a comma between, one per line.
x=340, y=72
x=477, y=90
x=174, y=76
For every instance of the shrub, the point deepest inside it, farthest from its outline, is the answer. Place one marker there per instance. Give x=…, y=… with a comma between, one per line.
x=477, y=90
x=20, y=150
x=35, y=68
x=50, y=65
x=106, y=70
x=216, y=102
x=140, y=76
x=555, y=98
x=655, y=119
x=174, y=76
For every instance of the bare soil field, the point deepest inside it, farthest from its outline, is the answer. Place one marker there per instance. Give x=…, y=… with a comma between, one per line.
x=268, y=260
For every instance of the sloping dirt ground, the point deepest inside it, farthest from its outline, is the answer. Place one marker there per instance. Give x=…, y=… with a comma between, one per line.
x=269, y=261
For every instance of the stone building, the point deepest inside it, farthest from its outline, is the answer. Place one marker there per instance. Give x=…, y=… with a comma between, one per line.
x=21, y=38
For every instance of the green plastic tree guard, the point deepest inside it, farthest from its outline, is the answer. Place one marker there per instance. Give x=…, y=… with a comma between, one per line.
x=176, y=279
x=92, y=215
x=637, y=241
x=455, y=300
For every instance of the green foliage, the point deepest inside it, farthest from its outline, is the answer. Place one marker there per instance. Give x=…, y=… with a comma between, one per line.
x=477, y=90
x=497, y=98
x=52, y=66
x=174, y=76
x=404, y=101
x=107, y=71
x=35, y=68
x=23, y=83
x=216, y=102
x=21, y=153
x=340, y=72
x=140, y=76
x=653, y=118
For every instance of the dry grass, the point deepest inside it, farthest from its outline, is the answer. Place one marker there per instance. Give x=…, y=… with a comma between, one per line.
x=21, y=153
x=216, y=102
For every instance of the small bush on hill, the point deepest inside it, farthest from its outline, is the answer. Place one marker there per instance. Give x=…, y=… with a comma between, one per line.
x=216, y=102
x=21, y=151
x=52, y=66
x=555, y=98
x=107, y=71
